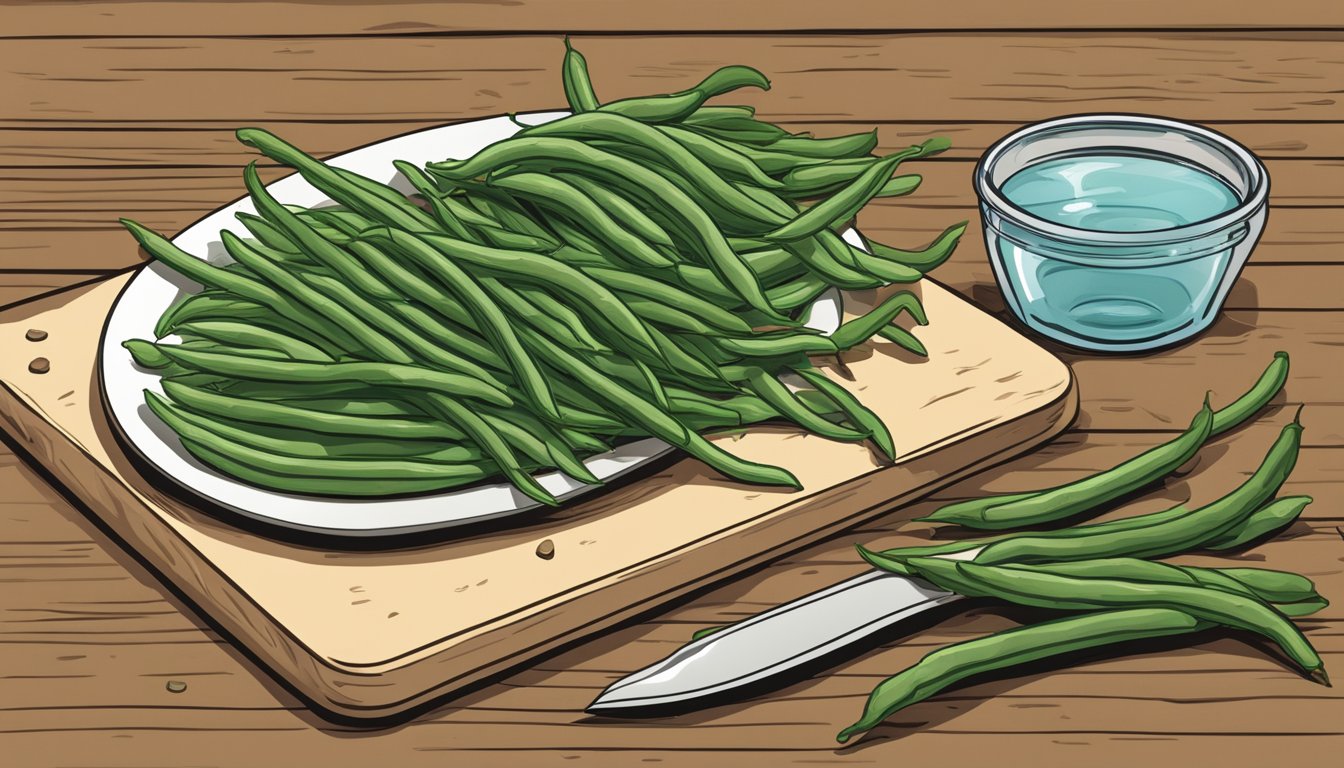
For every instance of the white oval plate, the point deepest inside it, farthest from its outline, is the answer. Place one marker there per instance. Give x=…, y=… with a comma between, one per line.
x=156, y=287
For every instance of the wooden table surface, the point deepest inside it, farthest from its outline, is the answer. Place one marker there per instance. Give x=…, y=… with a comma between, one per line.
x=121, y=108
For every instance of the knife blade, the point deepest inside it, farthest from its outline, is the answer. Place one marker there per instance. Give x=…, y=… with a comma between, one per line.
x=772, y=642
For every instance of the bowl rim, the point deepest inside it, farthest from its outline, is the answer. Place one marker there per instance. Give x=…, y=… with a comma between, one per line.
x=1254, y=201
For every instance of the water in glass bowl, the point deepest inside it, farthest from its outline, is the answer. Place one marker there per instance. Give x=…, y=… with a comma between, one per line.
x=1112, y=294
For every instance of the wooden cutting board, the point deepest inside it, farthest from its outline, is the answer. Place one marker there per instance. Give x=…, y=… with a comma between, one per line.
x=377, y=633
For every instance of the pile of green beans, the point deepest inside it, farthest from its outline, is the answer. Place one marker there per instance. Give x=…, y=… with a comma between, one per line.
x=637, y=269
x=1103, y=571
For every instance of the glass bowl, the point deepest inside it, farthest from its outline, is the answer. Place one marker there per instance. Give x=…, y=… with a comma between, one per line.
x=1119, y=291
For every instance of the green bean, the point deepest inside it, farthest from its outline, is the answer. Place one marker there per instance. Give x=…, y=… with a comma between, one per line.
x=842, y=205
x=769, y=199
x=210, y=345
x=484, y=311
x=146, y=354
x=1011, y=648
x=574, y=155
x=578, y=87
x=305, y=418
x=543, y=447
x=1080, y=496
x=452, y=210
x=271, y=390
x=704, y=180
x=377, y=374
x=450, y=221
x=674, y=107
x=561, y=313
x=1270, y=585
x=1206, y=524
x=621, y=209
x=240, y=334
x=685, y=403
x=893, y=557
x=662, y=425
x=367, y=336
x=345, y=187
x=302, y=444
x=765, y=386
x=1255, y=398
x=925, y=260
x=749, y=408
x=267, y=233
x=324, y=252
x=860, y=329
x=705, y=115
x=888, y=271
x=736, y=211
x=746, y=132
x=503, y=238
x=1270, y=517
x=851, y=146
x=1037, y=587
x=721, y=157
x=1277, y=587
x=582, y=441
x=797, y=293
x=766, y=345
x=577, y=240
x=217, y=305
x=848, y=335
x=688, y=362
x=654, y=290
x=398, y=331
x=415, y=286
x=491, y=442
x=389, y=405
x=590, y=298
x=509, y=214
x=771, y=263
x=671, y=318
x=341, y=485
x=856, y=412
x=904, y=339
x=823, y=264
x=1043, y=506
x=227, y=442
x=528, y=311
x=215, y=277
x=770, y=162
x=554, y=192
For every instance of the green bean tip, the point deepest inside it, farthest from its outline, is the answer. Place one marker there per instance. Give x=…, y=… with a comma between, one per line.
x=1321, y=677
x=935, y=145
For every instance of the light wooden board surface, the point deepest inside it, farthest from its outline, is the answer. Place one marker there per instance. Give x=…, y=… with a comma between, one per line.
x=375, y=633
x=89, y=638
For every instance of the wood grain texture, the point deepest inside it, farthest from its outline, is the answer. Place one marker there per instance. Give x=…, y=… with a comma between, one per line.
x=88, y=638
x=212, y=145
x=332, y=17
x=936, y=77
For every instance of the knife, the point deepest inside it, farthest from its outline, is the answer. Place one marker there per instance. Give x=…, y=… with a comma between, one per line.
x=780, y=639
